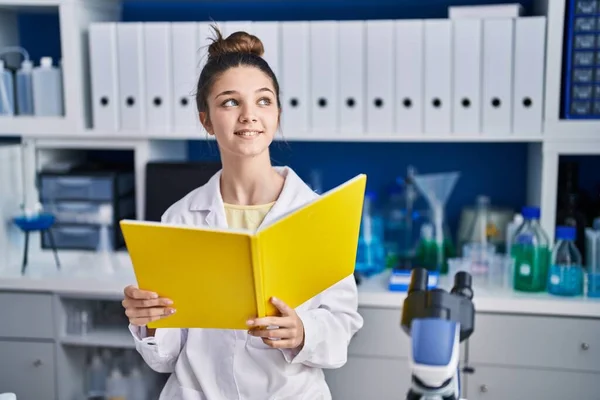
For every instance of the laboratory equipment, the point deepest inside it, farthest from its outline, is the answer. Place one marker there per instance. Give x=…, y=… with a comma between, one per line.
x=531, y=251
x=437, y=322
x=436, y=188
x=47, y=89
x=511, y=230
x=484, y=218
x=37, y=221
x=496, y=272
x=566, y=273
x=7, y=91
x=97, y=373
x=24, y=87
x=370, y=257
x=593, y=259
x=116, y=385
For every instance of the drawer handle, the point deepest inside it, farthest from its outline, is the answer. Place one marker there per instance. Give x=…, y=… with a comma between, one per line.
x=585, y=346
x=37, y=363
x=483, y=388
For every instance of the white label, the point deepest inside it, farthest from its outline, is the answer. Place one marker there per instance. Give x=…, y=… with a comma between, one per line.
x=554, y=279
x=525, y=269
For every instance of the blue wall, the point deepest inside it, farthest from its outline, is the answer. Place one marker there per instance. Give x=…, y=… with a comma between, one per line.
x=485, y=168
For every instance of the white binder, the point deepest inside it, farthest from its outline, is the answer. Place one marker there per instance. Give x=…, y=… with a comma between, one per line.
x=529, y=63
x=409, y=76
x=351, y=72
x=323, y=77
x=184, y=44
x=130, y=45
x=497, y=76
x=269, y=34
x=157, y=51
x=295, y=83
x=380, y=77
x=103, y=74
x=229, y=27
x=466, y=96
x=438, y=76
x=204, y=35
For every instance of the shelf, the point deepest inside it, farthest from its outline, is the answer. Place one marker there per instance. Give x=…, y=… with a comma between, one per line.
x=581, y=146
x=16, y=4
x=573, y=130
x=102, y=337
x=33, y=126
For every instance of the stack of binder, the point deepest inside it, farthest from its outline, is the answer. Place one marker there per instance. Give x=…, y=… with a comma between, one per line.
x=582, y=61
x=338, y=79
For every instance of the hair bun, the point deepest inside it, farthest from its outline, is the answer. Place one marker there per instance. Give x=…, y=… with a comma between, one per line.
x=237, y=42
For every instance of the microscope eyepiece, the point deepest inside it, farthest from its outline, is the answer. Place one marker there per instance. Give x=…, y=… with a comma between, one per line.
x=418, y=280
x=462, y=284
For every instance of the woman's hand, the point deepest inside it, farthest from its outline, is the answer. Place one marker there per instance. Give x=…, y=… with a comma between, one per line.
x=288, y=332
x=142, y=306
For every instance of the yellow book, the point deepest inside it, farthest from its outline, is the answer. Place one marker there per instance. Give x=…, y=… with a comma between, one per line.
x=219, y=278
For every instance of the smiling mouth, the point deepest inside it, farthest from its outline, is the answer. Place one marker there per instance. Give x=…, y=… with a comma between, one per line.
x=248, y=133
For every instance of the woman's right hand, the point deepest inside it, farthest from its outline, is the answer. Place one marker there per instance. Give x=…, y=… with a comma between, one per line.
x=142, y=307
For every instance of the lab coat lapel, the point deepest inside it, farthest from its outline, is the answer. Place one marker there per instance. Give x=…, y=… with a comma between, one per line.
x=209, y=200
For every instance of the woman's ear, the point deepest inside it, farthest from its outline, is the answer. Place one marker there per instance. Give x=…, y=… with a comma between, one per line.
x=205, y=121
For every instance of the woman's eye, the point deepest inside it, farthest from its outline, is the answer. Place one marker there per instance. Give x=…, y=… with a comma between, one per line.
x=229, y=103
x=265, y=101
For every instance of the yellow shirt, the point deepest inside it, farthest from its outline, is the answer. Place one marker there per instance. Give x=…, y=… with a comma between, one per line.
x=246, y=217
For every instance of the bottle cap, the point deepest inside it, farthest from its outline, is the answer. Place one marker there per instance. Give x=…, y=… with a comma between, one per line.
x=566, y=233
x=27, y=65
x=46, y=62
x=531, y=212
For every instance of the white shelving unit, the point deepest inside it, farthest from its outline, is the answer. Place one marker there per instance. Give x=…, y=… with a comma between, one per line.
x=75, y=130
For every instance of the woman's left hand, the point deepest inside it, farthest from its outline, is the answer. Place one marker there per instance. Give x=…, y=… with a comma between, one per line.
x=288, y=331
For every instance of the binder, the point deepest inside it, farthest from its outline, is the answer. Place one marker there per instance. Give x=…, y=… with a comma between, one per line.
x=184, y=44
x=205, y=36
x=157, y=51
x=409, y=76
x=497, y=76
x=466, y=94
x=219, y=278
x=130, y=45
x=323, y=77
x=529, y=68
x=295, y=83
x=230, y=27
x=351, y=73
x=103, y=76
x=269, y=33
x=438, y=76
x=380, y=77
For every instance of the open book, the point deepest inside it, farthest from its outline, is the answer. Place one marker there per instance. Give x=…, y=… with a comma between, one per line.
x=219, y=278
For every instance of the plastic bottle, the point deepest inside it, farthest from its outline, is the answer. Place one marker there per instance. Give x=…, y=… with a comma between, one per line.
x=370, y=258
x=116, y=386
x=566, y=272
x=47, y=89
x=136, y=385
x=96, y=378
x=24, y=85
x=531, y=252
x=7, y=91
x=593, y=259
x=511, y=230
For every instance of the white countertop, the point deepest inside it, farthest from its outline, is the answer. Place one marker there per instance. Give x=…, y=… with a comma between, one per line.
x=83, y=275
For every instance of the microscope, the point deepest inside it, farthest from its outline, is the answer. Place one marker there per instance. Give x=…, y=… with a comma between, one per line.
x=437, y=322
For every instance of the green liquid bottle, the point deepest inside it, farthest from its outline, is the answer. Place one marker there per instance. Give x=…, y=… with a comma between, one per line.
x=531, y=252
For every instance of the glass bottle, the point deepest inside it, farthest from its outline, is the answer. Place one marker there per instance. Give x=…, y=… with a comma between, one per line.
x=566, y=273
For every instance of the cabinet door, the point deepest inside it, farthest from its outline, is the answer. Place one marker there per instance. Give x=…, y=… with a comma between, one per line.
x=370, y=378
x=27, y=369
x=501, y=383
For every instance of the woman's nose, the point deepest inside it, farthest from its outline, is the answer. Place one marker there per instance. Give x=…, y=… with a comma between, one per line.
x=247, y=115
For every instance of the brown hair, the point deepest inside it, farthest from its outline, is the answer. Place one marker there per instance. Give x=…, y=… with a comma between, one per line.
x=238, y=49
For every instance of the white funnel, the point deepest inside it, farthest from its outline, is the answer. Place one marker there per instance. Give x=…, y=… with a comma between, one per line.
x=436, y=188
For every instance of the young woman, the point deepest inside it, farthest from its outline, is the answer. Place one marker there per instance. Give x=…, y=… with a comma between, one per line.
x=238, y=103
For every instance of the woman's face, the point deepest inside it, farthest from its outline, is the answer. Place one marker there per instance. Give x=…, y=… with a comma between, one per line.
x=243, y=113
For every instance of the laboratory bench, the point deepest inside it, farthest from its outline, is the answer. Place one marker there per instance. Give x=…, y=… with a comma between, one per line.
x=525, y=346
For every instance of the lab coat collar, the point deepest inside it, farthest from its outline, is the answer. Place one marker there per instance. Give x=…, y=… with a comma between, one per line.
x=294, y=194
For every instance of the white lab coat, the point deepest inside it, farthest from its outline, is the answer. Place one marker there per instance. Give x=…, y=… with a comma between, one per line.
x=214, y=364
